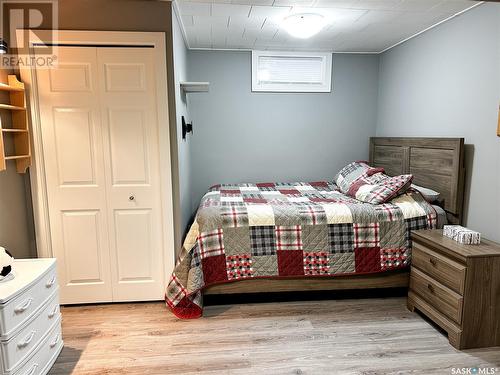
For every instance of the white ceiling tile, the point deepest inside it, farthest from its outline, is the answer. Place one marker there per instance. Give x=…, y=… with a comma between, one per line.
x=354, y=25
x=452, y=7
x=211, y=21
x=198, y=30
x=261, y=34
x=420, y=19
x=269, y=12
x=273, y=21
x=253, y=22
x=269, y=29
x=333, y=14
x=218, y=40
x=336, y=4
x=328, y=35
x=418, y=5
x=230, y=10
x=220, y=31
x=197, y=1
x=302, y=3
x=253, y=2
x=379, y=16
x=194, y=9
x=204, y=45
x=238, y=41
x=378, y=4
x=236, y=29
x=204, y=39
x=281, y=36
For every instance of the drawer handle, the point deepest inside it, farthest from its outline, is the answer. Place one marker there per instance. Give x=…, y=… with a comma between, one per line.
x=27, y=340
x=432, y=261
x=32, y=370
x=24, y=307
x=53, y=313
x=430, y=287
x=50, y=282
x=54, y=343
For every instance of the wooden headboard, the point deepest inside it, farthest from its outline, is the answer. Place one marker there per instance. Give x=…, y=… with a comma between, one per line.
x=436, y=163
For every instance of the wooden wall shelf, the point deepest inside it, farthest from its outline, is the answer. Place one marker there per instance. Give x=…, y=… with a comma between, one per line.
x=4, y=87
x=194, y=86
x=16, y=157
x=12, y=107
x=19, y=132
x=14, y=130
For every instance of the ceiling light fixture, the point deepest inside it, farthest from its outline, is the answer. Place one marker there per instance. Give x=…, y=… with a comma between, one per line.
x=304, y=25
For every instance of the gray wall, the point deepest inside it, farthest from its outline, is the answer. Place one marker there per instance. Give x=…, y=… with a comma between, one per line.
x=243, y=136
x=16, y=225
x=183, y=146
x=446, y=82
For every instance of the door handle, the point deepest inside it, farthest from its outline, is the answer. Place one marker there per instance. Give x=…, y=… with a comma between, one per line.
x=131, y=198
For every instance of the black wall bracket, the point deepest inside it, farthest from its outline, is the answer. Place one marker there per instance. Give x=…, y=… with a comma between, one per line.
x=186, y=128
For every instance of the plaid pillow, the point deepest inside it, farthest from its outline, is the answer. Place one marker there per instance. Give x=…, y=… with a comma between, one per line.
x=353, y=171
x=379, y=188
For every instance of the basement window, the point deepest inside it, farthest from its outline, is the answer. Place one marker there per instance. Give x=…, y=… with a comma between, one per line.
x=291, y=71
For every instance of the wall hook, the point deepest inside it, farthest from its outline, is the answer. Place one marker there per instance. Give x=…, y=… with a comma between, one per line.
x=186, y=128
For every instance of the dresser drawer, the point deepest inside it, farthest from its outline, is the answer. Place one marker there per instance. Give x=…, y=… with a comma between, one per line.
x=440, y=297
x=19, y=346
x=439, y=267
x=17, y=310
x=45, y=354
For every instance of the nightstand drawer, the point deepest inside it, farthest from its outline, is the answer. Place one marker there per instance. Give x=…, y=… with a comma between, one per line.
x=442, y=269
x=440, y=297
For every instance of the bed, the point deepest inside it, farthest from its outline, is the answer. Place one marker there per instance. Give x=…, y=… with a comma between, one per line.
x=276, y=237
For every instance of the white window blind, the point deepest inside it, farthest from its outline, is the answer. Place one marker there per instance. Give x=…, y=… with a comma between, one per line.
x=292, y=72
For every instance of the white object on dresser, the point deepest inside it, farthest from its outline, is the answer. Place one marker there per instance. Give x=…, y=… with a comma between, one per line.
x=30, y=320
x=462, y=235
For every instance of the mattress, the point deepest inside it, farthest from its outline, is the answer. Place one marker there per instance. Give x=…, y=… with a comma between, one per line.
x=280, y=230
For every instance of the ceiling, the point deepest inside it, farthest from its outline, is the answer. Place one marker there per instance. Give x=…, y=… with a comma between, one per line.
x=356, y=25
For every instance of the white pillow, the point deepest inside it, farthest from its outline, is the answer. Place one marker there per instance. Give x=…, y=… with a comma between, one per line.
x=429, y=194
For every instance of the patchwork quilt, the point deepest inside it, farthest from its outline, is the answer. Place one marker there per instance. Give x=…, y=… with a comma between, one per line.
x=283, y=230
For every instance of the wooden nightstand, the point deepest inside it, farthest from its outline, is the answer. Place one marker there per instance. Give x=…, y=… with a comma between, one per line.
x=458, y=287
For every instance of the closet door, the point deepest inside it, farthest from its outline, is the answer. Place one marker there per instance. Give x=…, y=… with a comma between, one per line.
x=129, y=118
x=75, y=175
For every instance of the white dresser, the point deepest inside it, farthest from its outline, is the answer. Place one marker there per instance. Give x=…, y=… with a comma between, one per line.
x=30, y=320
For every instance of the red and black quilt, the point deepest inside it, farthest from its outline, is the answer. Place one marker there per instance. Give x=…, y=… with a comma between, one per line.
x=274, y=230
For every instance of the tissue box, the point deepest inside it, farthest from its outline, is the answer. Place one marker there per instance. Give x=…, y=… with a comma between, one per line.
x=462, y=235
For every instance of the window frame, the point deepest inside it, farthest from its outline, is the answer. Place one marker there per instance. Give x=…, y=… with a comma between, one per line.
x=325, y=87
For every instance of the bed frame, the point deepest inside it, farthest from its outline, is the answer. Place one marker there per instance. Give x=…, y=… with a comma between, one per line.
x=436, y=163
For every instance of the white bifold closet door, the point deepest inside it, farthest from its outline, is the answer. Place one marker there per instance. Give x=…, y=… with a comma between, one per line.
x=101, y=156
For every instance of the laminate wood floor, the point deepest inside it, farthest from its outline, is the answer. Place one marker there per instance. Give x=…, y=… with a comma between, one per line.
x=361, y=336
